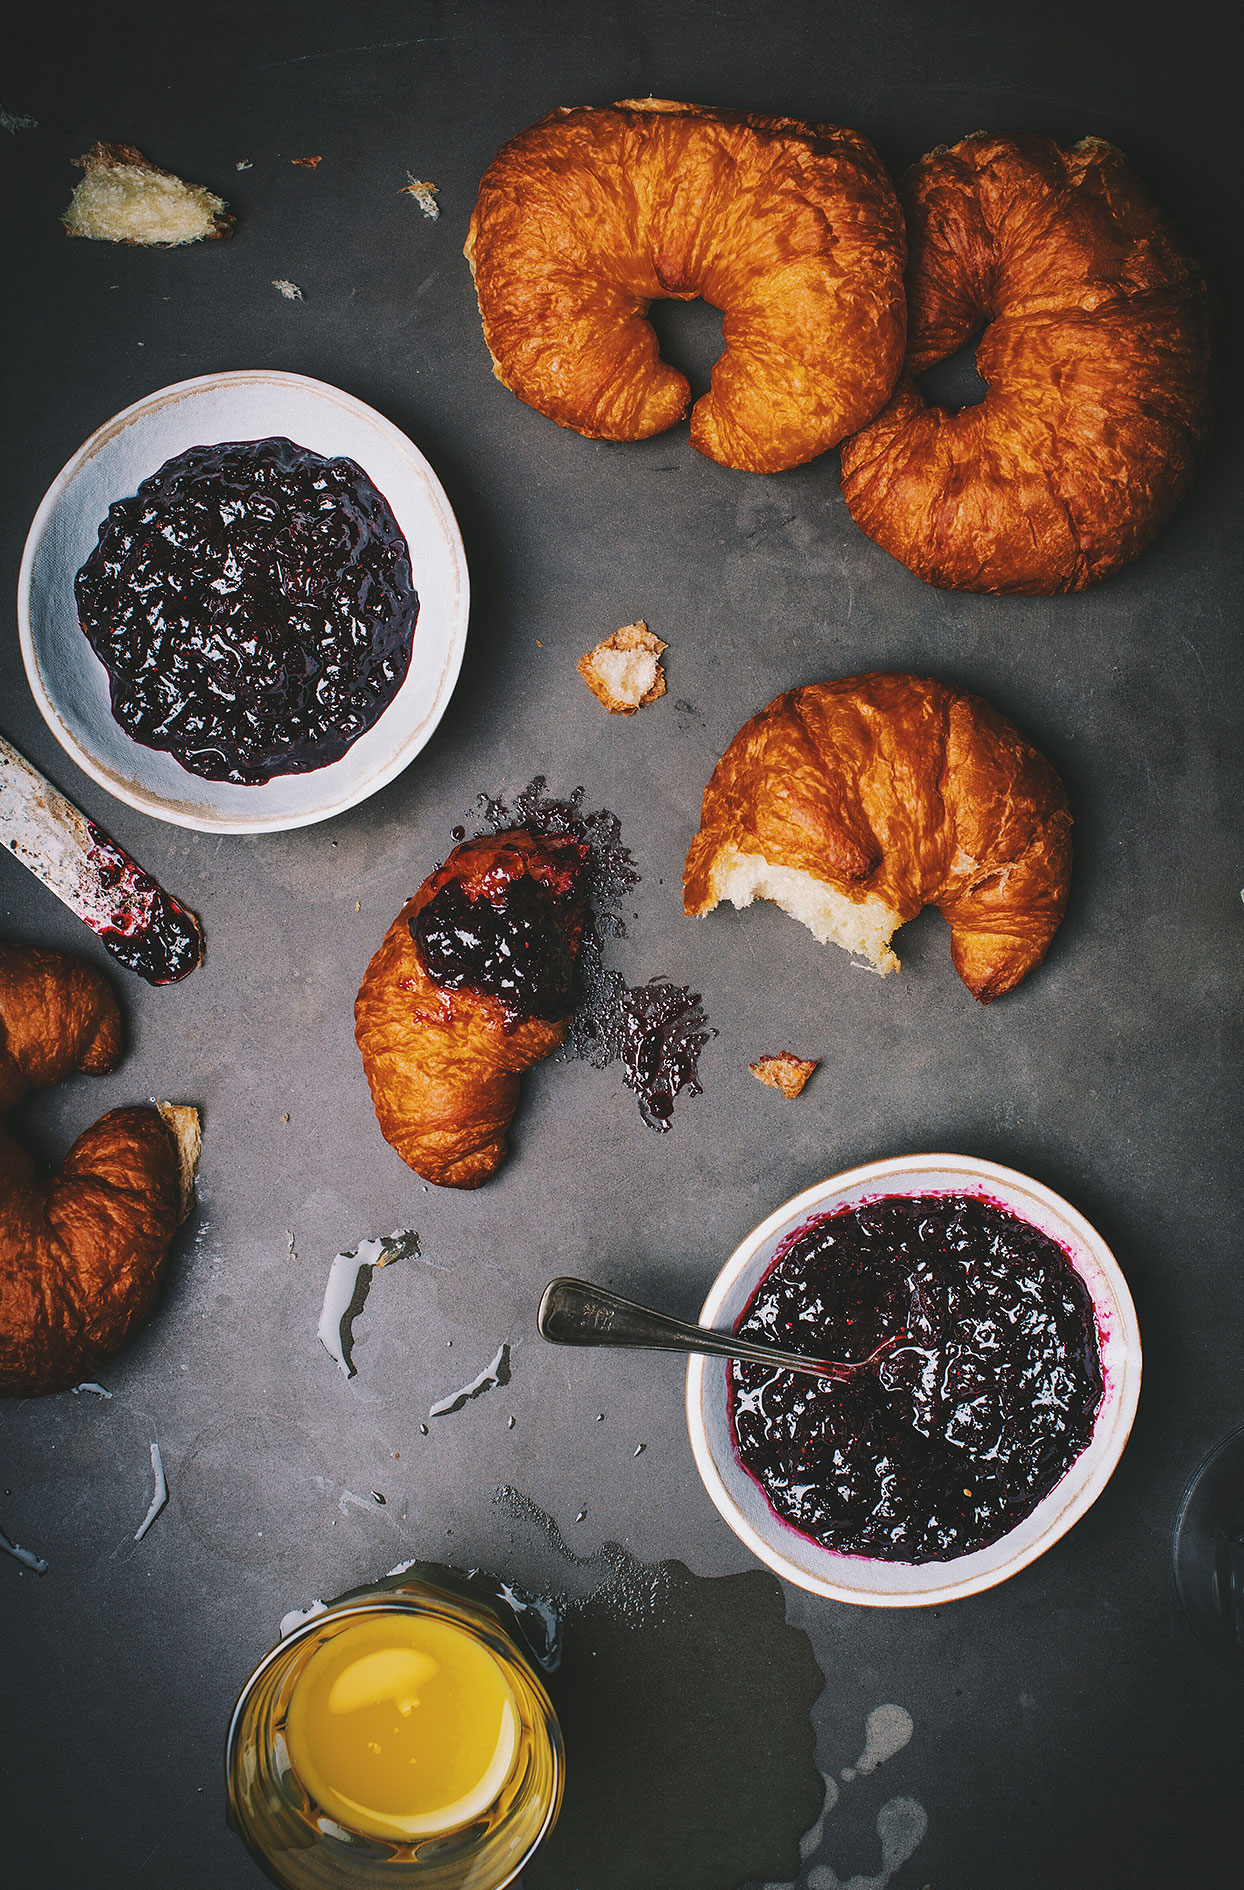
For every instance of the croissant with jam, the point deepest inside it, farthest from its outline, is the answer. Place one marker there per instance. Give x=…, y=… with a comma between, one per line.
x=473, y=984
x=81, y=1254
x=853, y=804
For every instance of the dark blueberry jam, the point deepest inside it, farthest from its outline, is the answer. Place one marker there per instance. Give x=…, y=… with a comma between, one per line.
x=144, y=928
x=985, y=1401
x=254, y=609
x=657, y=1029
x=516, y=937
x=663, y=1033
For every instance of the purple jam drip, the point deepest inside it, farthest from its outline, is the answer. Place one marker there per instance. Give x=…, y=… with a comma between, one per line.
x=663, y=1033
x=516, y=942
x=254, y=608
x=982, y=1405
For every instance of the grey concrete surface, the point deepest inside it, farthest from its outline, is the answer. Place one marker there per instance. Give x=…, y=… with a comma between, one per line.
x=1067, y=1729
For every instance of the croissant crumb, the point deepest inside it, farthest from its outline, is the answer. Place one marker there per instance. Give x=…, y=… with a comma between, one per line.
x=624, y=671
x=785, y=1071
x=124, y=198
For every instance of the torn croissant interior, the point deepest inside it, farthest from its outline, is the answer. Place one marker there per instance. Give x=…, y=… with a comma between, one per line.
x=124, y=198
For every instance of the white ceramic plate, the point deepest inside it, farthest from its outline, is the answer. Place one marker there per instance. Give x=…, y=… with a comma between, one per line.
x=860, y=1578
x=69, y=682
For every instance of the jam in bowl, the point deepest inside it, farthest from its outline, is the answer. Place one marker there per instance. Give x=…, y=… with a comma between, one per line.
x=990, y=1423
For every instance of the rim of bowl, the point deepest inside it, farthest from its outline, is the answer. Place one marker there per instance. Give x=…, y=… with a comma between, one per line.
x=1119, y=1401
x=145, y=800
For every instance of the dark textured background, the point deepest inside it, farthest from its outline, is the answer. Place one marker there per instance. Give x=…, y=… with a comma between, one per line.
x=1068, y=1730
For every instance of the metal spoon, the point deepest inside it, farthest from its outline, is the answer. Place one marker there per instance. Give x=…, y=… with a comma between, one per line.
x=573, y=1312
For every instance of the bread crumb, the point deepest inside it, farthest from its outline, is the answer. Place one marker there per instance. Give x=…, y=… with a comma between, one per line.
x=123, y=198
x=244, y=164
x=785, y=1072
x=309, y=163
x=624, y=672
x=289, y=290
x=423, y=194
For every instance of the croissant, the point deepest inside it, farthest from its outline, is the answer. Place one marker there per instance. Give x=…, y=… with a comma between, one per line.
x=473, y=984
x=81, y=1254
x=1098, y=358
x=853, y=804
x=793, y=230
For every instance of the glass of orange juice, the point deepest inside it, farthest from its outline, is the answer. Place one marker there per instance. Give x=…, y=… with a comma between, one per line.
x=397, y=1737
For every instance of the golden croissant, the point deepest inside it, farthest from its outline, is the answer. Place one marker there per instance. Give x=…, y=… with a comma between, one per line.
x=853, y=804
x=1098, y=358
x=792, y=230
x=82, y=1253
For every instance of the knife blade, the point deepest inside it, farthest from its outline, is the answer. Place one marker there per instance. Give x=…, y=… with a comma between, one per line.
x=145, y=928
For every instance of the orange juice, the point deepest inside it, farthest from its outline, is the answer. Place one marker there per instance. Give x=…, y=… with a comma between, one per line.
x=398, y=1737
x=402, y=1725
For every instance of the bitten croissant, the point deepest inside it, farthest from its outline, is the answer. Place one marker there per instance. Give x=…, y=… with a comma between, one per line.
x=1097, y=351
x=473, y=983
x=853, y=804
x=81, y=1254
x=792, y=230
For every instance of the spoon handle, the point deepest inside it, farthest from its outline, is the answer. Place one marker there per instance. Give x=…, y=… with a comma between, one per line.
x=573, y=1312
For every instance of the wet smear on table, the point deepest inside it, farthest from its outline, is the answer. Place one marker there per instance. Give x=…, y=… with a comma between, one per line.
x=685, y=1702
x=99, y=1459
x=496, y=1373
x=901, y=1823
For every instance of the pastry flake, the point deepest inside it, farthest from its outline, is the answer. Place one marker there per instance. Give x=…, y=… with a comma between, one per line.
x=624, y=671
x=785, y=1071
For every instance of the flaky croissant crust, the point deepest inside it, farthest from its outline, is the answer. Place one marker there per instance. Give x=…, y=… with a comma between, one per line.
x=443, y=1066
x=81, y=1254
x=900, y=789
x=793, y=230
x=1097, y=355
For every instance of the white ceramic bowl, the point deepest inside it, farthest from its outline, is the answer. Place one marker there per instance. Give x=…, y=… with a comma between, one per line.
x=862, y=1579
x=69, y=682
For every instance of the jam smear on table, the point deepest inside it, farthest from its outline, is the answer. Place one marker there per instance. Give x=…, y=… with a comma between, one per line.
x=514, y=934
x=254, y=608
x=983, y=1403
x=663, y=1032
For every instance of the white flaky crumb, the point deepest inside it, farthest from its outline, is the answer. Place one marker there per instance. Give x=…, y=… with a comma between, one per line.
x=424, y=195
x=495, y=1373
x=26, y=1557
x=288, y=289
x=624, y=671
x=123, y=198
x=244, y=164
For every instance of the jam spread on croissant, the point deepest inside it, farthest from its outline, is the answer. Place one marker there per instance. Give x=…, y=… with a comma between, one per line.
x=510, y=931
x=254, y=608
x=985, y=1401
